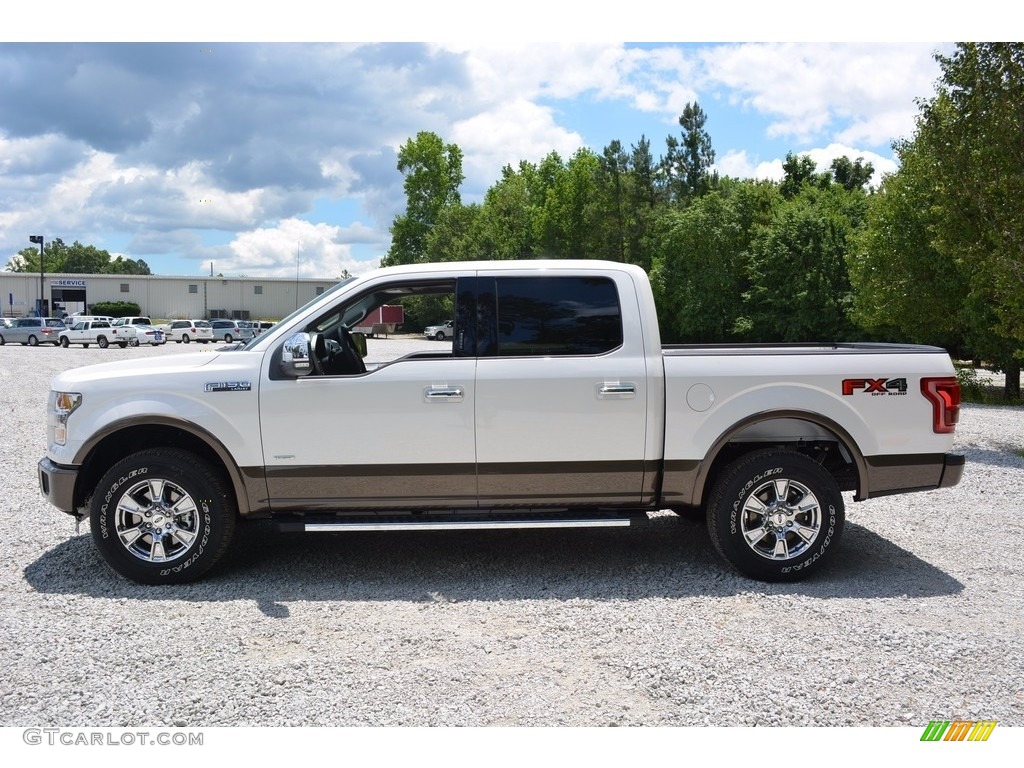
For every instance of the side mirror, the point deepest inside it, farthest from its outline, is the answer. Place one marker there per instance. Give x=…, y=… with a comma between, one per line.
x=359, y=339
x=295, y=356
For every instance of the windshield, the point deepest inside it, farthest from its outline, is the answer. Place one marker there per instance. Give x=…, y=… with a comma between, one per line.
x=263, y=338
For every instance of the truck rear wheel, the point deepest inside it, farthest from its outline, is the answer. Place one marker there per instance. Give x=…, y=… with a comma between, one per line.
x=776, y=515
x=162, y=516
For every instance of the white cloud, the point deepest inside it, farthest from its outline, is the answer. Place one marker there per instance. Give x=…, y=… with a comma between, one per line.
x=513, y=131
x=808, y=89
x=313, y=250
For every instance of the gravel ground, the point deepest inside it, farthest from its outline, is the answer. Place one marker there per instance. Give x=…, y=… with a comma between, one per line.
x=919, y=617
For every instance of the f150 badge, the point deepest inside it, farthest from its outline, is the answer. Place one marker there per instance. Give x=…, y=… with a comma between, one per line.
x=875, y=387
x=228, y=386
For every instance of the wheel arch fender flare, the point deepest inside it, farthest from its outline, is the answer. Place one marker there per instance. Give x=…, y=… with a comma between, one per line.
x=124, y=436
x=700, y=472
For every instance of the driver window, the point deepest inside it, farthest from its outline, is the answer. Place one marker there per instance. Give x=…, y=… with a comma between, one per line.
x=393, y=319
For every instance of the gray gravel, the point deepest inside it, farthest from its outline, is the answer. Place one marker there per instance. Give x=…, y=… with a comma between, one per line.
x=920, y=617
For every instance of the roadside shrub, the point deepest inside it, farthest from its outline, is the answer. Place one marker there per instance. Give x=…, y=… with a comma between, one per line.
x=115, y=308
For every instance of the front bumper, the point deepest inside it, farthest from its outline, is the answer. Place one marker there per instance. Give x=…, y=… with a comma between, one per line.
x=57, y=484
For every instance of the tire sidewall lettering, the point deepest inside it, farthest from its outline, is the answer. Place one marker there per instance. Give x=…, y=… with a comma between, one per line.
x=104, y=530
x=824, y=543
x=744, y=494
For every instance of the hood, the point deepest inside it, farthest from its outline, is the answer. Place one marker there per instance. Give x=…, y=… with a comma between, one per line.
x=140, y=369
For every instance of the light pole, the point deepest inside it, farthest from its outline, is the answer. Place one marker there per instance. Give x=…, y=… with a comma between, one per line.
x=39, y=239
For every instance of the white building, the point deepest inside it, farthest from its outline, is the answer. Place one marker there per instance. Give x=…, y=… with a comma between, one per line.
x=160, y=296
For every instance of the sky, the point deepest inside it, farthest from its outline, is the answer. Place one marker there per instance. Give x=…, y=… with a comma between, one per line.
x=279, y=157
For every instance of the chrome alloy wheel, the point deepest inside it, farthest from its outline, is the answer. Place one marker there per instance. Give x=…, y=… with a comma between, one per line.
x=157, y=521
x=781, y=519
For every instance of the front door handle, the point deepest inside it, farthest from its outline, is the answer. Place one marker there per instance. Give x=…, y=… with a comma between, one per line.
x=617, y=391
x=444, y=394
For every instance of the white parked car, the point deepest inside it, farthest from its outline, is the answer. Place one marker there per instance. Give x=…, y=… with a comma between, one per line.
x=132, y=331
x=186, y=331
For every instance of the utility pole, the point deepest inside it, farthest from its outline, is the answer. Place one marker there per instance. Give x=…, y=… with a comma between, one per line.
x=39, y=239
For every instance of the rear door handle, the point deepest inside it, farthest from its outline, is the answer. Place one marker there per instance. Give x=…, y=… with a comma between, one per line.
x=444, y=394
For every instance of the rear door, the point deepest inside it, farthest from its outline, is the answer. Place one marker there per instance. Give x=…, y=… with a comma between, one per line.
x=562, y=390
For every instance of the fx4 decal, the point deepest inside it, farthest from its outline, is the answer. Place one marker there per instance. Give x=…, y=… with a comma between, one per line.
x=875, y=387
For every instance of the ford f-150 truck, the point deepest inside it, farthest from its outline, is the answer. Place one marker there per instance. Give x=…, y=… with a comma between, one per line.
x=555, y=406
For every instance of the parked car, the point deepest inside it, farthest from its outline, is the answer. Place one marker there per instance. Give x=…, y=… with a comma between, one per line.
x=132, y=331
x=33, y=331
x=185, y=331
x=86, y=332
x=231, y=330
x=439, y=332
x=70, y=321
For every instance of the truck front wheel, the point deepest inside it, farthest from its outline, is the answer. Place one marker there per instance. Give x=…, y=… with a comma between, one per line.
x=162, y=516
x=775, y=515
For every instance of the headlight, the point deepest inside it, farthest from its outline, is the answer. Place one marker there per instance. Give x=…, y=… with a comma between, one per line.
x=62, y=405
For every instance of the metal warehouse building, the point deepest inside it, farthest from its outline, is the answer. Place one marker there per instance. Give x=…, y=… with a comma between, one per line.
x=160, y=296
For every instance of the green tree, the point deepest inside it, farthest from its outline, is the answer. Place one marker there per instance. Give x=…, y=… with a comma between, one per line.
x=851, y=174
x=799, y=284
x=906, y=289
x=433, y=174
x=969, y=137
x=76, y=258
x=456, y=235
x=569, y=217
x=508, y=214
x=612, y=182
x=800, y=170
x=697, y=156
x=699, y=271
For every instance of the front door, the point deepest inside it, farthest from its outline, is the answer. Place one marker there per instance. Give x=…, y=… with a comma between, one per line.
x=399, y=436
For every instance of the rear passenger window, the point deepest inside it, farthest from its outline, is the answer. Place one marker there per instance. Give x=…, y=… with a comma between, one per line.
x=557, y=316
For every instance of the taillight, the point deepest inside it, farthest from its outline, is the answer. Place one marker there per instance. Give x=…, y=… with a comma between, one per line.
x=944, y=394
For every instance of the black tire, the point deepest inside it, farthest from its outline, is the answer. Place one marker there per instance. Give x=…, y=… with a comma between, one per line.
x=33, y=341
x=185, y=338
x=2, y=341
x=85, y=346
x=64, y=342
x=102, y=342
x=228, y=338
x=122, y=344
x=787, y=498
x=174, y=492
x=439, y=336
x=134, y=342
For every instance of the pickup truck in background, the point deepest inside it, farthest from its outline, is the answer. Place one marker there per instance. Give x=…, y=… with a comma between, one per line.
x=555, y=406
x=86, y=332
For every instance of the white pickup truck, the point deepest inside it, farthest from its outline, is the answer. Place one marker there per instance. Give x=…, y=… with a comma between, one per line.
x=555, y=406
x=86, y=332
